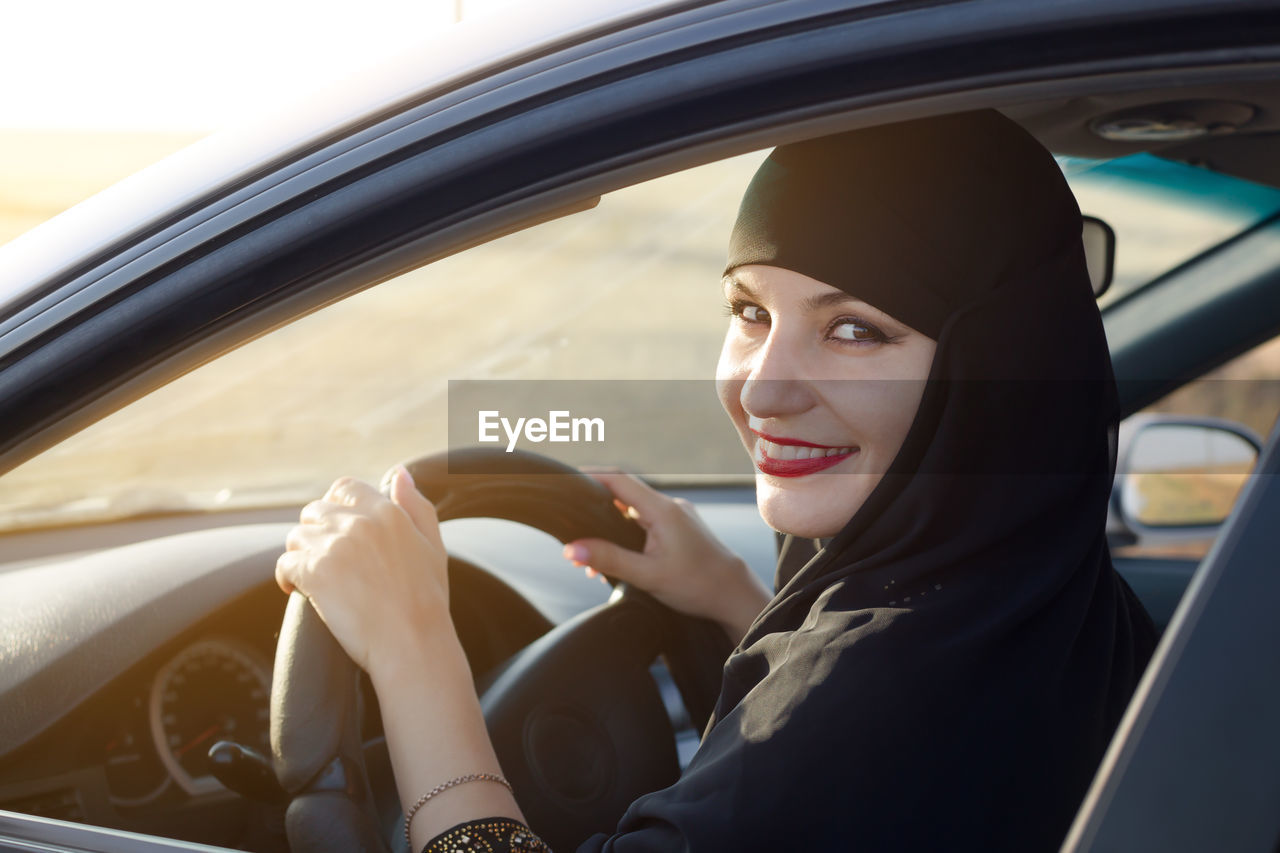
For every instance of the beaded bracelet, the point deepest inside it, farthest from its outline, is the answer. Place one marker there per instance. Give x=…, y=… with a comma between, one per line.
x=422, y=801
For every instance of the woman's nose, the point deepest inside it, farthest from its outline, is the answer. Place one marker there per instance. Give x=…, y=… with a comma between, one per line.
x=775, y=385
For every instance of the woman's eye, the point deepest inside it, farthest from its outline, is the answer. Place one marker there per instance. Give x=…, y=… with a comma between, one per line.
x=747, y=312
x=856, y=330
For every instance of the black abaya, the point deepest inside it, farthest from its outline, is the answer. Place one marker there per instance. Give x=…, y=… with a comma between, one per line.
x=947, y=671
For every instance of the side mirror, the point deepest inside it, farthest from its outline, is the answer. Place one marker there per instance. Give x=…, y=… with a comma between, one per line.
x=1099, y=253
x=1182, y=475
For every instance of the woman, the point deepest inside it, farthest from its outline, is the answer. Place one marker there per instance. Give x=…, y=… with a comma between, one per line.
x=917, y=366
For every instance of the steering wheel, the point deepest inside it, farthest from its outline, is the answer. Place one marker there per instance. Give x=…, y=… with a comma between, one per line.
x=575, y=717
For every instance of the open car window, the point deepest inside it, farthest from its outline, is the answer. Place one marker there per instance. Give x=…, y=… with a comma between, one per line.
x=626, y=290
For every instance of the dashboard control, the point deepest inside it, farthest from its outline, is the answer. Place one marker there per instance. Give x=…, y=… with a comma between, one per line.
x=245, y=771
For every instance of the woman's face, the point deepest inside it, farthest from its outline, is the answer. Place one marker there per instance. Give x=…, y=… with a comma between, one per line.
x=818, y=383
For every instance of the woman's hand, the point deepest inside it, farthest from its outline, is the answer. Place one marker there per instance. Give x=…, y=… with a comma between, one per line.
x=682, y=565
x=374, y=567
x=375, y=570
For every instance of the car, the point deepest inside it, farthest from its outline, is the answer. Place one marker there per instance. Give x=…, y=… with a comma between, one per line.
x=530, y=210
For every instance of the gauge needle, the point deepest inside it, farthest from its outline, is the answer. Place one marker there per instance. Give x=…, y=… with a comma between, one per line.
x=197, y=740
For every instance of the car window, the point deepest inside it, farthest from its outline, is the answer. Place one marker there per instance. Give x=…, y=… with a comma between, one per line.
x=1163, y=213
x=1244, y=391
x=627, y=291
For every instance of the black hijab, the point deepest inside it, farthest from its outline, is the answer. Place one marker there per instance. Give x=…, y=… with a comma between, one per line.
x=947, y=671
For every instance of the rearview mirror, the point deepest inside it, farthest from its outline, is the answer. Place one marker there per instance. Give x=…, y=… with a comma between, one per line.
x=1184, y=473
x=1099, y=253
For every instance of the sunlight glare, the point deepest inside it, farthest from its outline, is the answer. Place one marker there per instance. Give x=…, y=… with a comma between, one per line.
x=160, y=65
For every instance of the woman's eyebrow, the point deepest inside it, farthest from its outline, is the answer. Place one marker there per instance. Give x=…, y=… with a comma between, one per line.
x=827, y=300
x=819, y=302
x=734, y=285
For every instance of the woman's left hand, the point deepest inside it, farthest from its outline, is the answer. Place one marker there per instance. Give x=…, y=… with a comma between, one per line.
x=374, y=567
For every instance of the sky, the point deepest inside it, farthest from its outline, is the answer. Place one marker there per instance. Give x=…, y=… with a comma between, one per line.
x=178, y=65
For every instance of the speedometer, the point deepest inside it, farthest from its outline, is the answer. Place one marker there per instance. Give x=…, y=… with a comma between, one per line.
x=212, y=690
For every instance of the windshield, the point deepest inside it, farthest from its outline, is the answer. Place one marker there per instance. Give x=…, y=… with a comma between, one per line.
x=1163, y=213
x=625, y=291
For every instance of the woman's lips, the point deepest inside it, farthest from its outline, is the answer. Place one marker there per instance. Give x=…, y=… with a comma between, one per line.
x=791, y=457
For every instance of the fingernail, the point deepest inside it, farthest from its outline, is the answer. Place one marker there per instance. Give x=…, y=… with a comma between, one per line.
x=576, y=553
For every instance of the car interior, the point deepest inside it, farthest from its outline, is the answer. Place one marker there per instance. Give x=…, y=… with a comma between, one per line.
x=139, y=615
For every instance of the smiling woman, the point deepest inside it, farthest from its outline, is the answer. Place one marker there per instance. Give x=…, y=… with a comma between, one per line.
x=943, y=622
x=944, y=615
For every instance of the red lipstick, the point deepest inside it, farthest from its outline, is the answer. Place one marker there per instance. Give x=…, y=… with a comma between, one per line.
x=792, y=442
x=796, y=467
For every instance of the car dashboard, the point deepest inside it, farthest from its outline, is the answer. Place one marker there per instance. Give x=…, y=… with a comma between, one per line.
x=123, y=665
x=130, y=755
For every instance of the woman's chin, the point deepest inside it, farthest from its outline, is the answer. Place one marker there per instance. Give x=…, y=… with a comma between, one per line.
x=805, y=515
x=814, y=507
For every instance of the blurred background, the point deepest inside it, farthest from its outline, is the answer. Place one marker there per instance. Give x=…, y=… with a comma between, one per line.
x=94, y=91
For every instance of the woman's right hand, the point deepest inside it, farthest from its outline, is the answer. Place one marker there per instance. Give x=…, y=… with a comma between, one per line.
x=682, y=565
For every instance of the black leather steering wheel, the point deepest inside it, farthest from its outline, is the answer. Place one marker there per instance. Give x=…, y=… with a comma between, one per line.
x=575, y=717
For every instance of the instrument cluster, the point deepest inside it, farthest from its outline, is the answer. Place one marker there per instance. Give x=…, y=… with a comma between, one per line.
x=216, y=688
